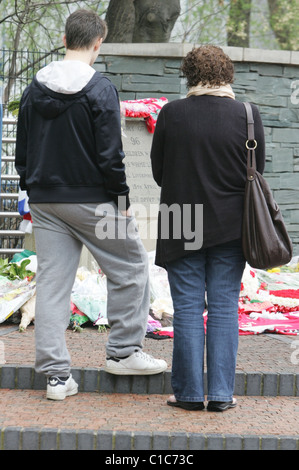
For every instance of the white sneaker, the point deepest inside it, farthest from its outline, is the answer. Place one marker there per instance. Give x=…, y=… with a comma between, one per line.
x=139, y=363
x=58, y=388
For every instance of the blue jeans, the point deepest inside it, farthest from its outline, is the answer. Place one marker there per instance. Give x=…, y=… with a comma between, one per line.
x=218, y=272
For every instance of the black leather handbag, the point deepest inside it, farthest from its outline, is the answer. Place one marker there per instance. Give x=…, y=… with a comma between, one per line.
x=265, y=240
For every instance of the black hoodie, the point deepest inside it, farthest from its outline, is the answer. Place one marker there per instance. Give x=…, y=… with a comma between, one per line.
x=69, y=147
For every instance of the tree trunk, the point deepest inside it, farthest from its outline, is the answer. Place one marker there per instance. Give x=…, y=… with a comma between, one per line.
x=141, y=20
x=238, y=26
x=120, y=18
x=154, y=20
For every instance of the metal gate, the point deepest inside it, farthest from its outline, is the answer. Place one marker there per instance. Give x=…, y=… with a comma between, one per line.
x=11, y=238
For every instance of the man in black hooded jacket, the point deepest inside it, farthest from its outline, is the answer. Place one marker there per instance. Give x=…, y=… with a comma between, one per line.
x=69, y=157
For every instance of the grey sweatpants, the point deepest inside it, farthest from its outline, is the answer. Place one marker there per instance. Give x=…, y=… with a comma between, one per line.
x=60, y=232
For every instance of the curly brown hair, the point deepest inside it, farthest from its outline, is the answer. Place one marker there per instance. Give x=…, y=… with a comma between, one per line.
x=207, y=65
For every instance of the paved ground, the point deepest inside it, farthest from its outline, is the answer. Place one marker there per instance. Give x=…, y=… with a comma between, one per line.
x=264, y=353
x=132, y=412
x=268, y=417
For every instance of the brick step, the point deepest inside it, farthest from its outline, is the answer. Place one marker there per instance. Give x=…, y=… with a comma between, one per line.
x=113, y=421
x=97, y=380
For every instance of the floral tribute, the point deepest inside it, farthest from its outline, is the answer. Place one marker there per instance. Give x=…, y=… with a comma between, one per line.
x=147, y=108
x=269, y=300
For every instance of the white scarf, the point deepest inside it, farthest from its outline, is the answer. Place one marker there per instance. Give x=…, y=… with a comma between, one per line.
x=223, y=90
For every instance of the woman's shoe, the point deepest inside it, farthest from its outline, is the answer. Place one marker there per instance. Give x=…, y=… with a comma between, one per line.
x=186, y=405
x=221, y=405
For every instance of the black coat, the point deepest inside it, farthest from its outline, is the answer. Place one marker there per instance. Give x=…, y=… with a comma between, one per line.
x=69, y=146
x=198, y=158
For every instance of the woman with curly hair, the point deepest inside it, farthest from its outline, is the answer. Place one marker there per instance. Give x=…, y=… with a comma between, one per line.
x=199, y=159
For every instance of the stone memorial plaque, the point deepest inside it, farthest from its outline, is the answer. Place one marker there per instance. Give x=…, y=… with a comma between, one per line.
x=137, y=143
x=144, y=192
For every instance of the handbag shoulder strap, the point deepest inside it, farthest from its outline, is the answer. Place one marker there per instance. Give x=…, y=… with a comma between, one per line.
x=251, y=143
x=250, y=121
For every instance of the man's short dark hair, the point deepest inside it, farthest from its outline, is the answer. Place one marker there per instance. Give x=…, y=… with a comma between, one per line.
x=82, y=28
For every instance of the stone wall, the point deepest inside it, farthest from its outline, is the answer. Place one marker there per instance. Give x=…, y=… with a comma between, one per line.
x=269, y=79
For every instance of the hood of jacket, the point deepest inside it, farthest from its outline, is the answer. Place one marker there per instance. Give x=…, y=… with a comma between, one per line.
x=58, y=85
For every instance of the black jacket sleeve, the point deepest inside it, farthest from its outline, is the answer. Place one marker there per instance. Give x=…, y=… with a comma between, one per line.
x=21, y=144
x=109, y=150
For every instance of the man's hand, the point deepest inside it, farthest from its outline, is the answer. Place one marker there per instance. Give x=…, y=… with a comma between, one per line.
x=127, y=213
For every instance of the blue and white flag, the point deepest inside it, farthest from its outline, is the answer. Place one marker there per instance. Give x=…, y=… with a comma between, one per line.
x=23, y=206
